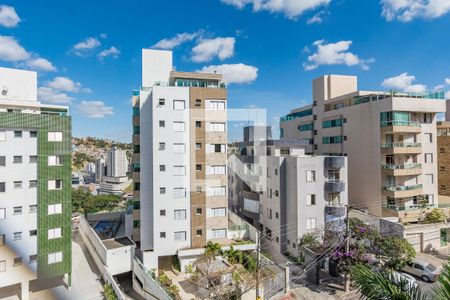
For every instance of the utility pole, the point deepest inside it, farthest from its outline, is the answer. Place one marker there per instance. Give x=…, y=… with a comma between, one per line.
x=347, y=246
x=258, y=263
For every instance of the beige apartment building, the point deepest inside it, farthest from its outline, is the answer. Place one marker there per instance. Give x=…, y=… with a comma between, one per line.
x=390, y=140
x=443, y=144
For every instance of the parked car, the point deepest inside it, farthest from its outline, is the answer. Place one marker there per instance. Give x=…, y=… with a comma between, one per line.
x=398, y=276
x=422, y=269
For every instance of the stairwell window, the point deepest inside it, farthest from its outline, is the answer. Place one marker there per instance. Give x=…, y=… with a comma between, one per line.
x=180, y=235
x=215, y=104
x=311, y=224
x=55, y=136
x=54, y=209
x=216, y=191
x=55, y=184
x=54, y=160
x=54, y=233
x=217, y=127
x=216, y=170
x=179, y=214
x=310, y=176
x=55, y=257
x=311, y=199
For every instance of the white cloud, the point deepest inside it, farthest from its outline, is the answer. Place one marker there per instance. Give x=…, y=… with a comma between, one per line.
x=447, y=80
x=407, y=10
x=335, y=54
x=50, y=95
x=316, y=19
x=438, y=87
x=403, y=82
x=11, y=50
x=8, y=16
x=40, y=64
x=233, y=73
x=86, y=46
x=64, y=84
x=103, y=36
x=171, y=43
x=113, y=52
x=291, y=8
x=207, y=49
x=95, y=109
x=447, y=95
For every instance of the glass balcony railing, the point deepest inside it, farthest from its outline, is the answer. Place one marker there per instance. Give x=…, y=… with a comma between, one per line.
x=399, y=123
x=401, y=166
x=400, y=145
x=415, y=206
x=402, y=188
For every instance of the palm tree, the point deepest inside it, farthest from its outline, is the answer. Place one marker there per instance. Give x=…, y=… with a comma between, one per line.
x=234, y=256
x=442, y=288
x=212, y=249
x=384, y=285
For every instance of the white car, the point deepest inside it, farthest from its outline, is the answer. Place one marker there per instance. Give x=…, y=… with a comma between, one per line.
x=422, y=269
x=398, y=276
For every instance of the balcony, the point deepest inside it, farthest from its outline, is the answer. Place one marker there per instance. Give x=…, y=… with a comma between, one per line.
x=402, y=148
x=334, y=162
x=411, y=213
x=400, y=126
x=403, y=191
x=402, y=169
x=334, y=186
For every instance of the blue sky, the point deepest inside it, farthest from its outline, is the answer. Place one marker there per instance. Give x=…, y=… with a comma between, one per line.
x=88, y=53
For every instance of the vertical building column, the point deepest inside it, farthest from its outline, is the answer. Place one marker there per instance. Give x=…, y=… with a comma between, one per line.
x=25, y=290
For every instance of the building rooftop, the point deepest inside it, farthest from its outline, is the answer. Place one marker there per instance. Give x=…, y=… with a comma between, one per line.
x=195, y=75
x=117, y=242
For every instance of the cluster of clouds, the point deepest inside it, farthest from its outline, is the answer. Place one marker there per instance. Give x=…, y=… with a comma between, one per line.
x=91, y=46
x=401, y=10
x=405, y=82
x=207, y=49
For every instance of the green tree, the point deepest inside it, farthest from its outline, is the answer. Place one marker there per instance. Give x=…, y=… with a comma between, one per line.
x=396, y=252
x=234, y=256
x=442, y=287
x=213, y=249
x=109, y=293
x=384, y=285
x=79, y=199
x=436, y=215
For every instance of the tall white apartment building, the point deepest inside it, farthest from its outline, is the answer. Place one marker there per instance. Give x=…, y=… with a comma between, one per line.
x=388, y=137
x=35, y=184
x=116, y=163
x=282, y=191
x=100, y=169
x=179, y=162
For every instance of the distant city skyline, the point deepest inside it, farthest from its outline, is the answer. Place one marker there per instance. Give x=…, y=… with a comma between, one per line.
x=268, y=53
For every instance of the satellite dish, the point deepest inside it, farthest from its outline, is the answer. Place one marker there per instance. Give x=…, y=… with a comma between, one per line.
x=4, y=91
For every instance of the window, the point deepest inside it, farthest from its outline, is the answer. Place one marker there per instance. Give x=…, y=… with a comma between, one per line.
x=429, y=178
x=33, y=232
x=198, y=102
x=161, y=102
x=310, y=176
x=162, y=235
x=17, y=236
x=199, y=232
x=162, y=190
x=180, y=236
x=215, y=104
x=216, y=191
x=136, y=129
x=17, y=159
x=179, y=170
x=54, y=233
x=311, y=224
x=2, y=265
x=218, y=212
x=33, y=183
x=441, y=150
x=179, y=192
x=55, y=136
x=332, y=123
x=269, y=213
x=54, y=184
x=18, y=134
x=32, y=259
x=179, y=214
x=285, y=151
x=427, y=118
x=306, y=127
x=276, y=215
x=54, y=209
x=54, y=160
x=162, y=212
x=2, y=187
x=219, y=127
x=276, y=171
x=17, y=261
x=178, y=104
x=33, y=159
x=276, y=193
x=162, y=123
x=17, y=184
x=429, y=137
x=33, y=208
x=178, y=126
x=428, y=158
x=55, y=257
x=17, y=210
x=219, y=233
x=179, y=148
x=198, y=167
x=162, y=168
x=311, y=199
x=198, y=146
x=2, y=136
x=215, y=170
x=332, y=139
x=2, y=161
x=162, y=146
x=198, y=124
x=33, y=134
x=198, y=211
x=2, y=213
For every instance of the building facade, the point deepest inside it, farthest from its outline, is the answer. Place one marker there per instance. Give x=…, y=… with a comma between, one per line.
x=389, y=138
x=35, y=184
x=285, y=193
x=179, y=162
x=443, y=146
x=116, y=163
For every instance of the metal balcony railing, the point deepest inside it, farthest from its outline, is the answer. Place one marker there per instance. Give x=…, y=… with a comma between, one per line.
x=400, y=145
x=401, y=166
x=401, y=188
